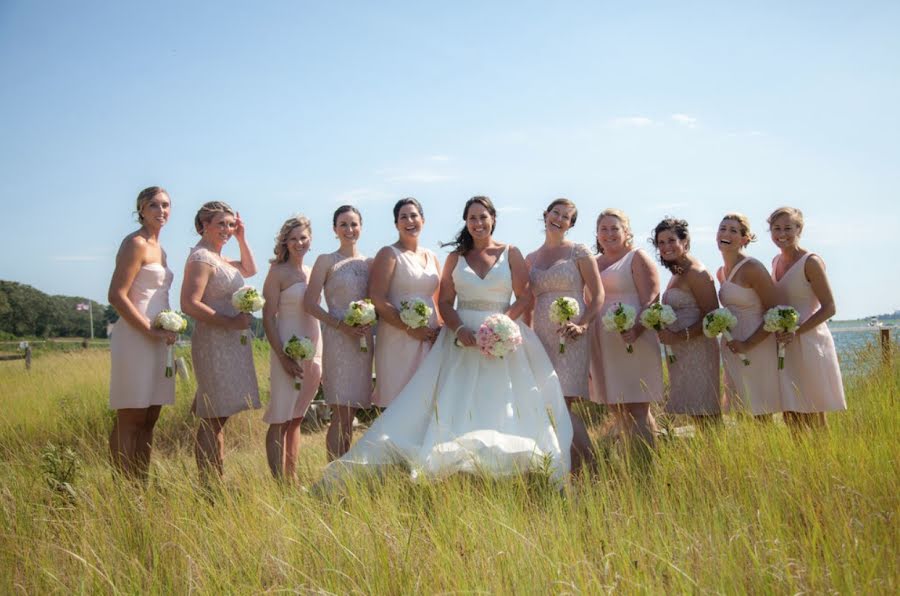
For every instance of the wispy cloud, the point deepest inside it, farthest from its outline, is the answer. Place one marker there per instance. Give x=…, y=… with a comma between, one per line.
x=77, y=258
x=631, y=122
x=362, y=195
x=684, y=120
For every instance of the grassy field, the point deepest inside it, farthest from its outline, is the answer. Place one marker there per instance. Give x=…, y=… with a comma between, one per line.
x=746, y=507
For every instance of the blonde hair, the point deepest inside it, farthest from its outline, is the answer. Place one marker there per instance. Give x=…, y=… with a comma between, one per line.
x=145, y=196
x=792, y=212
x=743, y=223
x=206, y=213
x=289, y=225
x=623, y=219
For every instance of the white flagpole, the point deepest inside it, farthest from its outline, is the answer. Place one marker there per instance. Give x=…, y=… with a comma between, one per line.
x=91, y=316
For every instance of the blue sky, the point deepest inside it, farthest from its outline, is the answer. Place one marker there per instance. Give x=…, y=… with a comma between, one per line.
x=687, y=109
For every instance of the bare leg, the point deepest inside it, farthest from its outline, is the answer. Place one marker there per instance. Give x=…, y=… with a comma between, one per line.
x=635, y=420
x=582, y=453
x=803, y=420
x=123, y=440
x=210, y=448
x=144, y=446
x=275, y=449
x=291, y=447
x=340, y=432
x=704, y=421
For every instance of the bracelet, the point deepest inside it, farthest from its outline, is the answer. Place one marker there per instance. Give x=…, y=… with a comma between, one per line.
x=687, y=334
x=456, y=331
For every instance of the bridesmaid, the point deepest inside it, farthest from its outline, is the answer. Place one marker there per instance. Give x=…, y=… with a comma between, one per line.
x=346, y=370
x=226, y=378
x=811, y=381
x=284, y=317
x=402, y=271
x=139, y=290
x=746, y=289
x=694, y=376
x=563, y=268
x=627, y=382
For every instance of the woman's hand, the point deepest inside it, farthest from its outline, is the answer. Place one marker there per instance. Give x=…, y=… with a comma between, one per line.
x=239, y=229
x=632, y=334
x=240, y=321
x=737, y=347
x=669, y=338
x=161, y=334
x=466, y=337
x=572, y=330
x=785, y=337
x=291, y=367
x=425, y=333
x=351, y=331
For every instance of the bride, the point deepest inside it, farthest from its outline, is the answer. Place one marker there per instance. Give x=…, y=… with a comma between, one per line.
x=463, y=411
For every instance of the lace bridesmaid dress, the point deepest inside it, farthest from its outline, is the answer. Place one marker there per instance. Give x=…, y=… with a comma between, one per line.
x=226, y=377
x=753, y=387
x=287, y=403
x=399, y=355
x=137, y=378
x=563, y=279
x=346, y=371
x=619, y=377
x=694, y=376
x=811, y=378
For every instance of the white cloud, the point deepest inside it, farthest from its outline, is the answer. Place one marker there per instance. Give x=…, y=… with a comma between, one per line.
x=631, y=122
x=76, y=258
x=361, y=195
x=685, y=120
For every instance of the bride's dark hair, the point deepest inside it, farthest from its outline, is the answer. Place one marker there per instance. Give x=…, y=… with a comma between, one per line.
x=463, y=242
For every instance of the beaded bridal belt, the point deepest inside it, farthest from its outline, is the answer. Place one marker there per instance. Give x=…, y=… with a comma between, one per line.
x=481, y=305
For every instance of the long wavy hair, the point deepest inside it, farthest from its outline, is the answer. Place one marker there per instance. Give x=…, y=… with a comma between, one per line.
x=679, y=227
x=290, y=224
x=463, y=242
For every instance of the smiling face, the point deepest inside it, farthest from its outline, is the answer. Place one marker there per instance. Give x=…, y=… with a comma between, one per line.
x=559, y=219
x=219, y=229
x=785, y=232
x=348, y=227
x=612, y=235
x=155, y=211
x=409, y=221
x=479, y=221
x=731, y=237
x=298, y=242
x=671, y=247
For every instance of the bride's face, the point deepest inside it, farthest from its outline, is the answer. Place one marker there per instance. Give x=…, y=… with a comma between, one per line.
x=479, y=221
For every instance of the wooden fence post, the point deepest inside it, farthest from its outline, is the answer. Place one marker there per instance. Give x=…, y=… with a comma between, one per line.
x=886, y=345
x=28, y=358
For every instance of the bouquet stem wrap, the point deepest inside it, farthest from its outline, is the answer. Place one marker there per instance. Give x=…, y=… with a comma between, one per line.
x=781, y=318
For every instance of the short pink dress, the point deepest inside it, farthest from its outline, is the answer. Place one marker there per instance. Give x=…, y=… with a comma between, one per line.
x=138, y=375
x=811, y=378
x=287, y=403
x=226, y=377
x=619, y=377
x=694, y=376
x=753, y=387
x=398, y=355
x=346, y=371
x=563, y=278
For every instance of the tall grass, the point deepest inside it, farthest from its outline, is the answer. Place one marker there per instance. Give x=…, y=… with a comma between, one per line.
x=745, y=507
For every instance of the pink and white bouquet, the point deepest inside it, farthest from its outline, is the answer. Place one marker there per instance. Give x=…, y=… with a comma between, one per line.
x=620, y=318
x=720, y=322
x=781, y=318
x=248, y=300
x=359, y=314
x=298, y=349
x=659, y=316
x=415, y=313
x=498, y=336
x=170, y=320
x=563, y=310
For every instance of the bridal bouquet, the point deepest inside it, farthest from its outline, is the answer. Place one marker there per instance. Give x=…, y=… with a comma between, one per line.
x=721, y=322
x=659, y=316
x=563, y=310
x=620, y=319
x=498, y=336
x=781, y=318
x=415, y=313
x=174, y=322
x=247, y=300
x=360, y=313
x=298, y=349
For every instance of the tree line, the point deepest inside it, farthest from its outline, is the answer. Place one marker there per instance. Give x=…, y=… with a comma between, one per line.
x=27, y=312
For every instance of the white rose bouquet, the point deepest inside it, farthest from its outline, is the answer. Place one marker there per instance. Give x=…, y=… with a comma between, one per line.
x=360, y=313
x=247, y=300
x=563, y=310
x=781, y=318
x=620, y=319
x=720, y=322
x=415, y=313
x=659, y=316
x=298, y=349
x=498, y=336
x=170, y=320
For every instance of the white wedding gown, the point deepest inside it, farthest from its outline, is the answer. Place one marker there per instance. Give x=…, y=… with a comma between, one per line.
x=464, y=412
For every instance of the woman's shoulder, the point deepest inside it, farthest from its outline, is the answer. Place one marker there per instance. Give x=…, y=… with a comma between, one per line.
x=580, y=251
x=203, y=255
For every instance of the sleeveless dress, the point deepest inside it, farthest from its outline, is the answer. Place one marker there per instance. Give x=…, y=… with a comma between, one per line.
x=464, y=412
x=811, y=378
x=287, y=403
x=346, y=371
x=694, y=376
x=399, y=355
x=753, y=387
x=226, y=377
x=137, y=378
x=618, y=377
x=562, y=278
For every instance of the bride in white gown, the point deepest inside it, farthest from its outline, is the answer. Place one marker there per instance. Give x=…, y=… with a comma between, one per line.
x=463, y=411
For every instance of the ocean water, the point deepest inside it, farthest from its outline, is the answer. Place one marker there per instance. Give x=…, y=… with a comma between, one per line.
x=853, y=342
